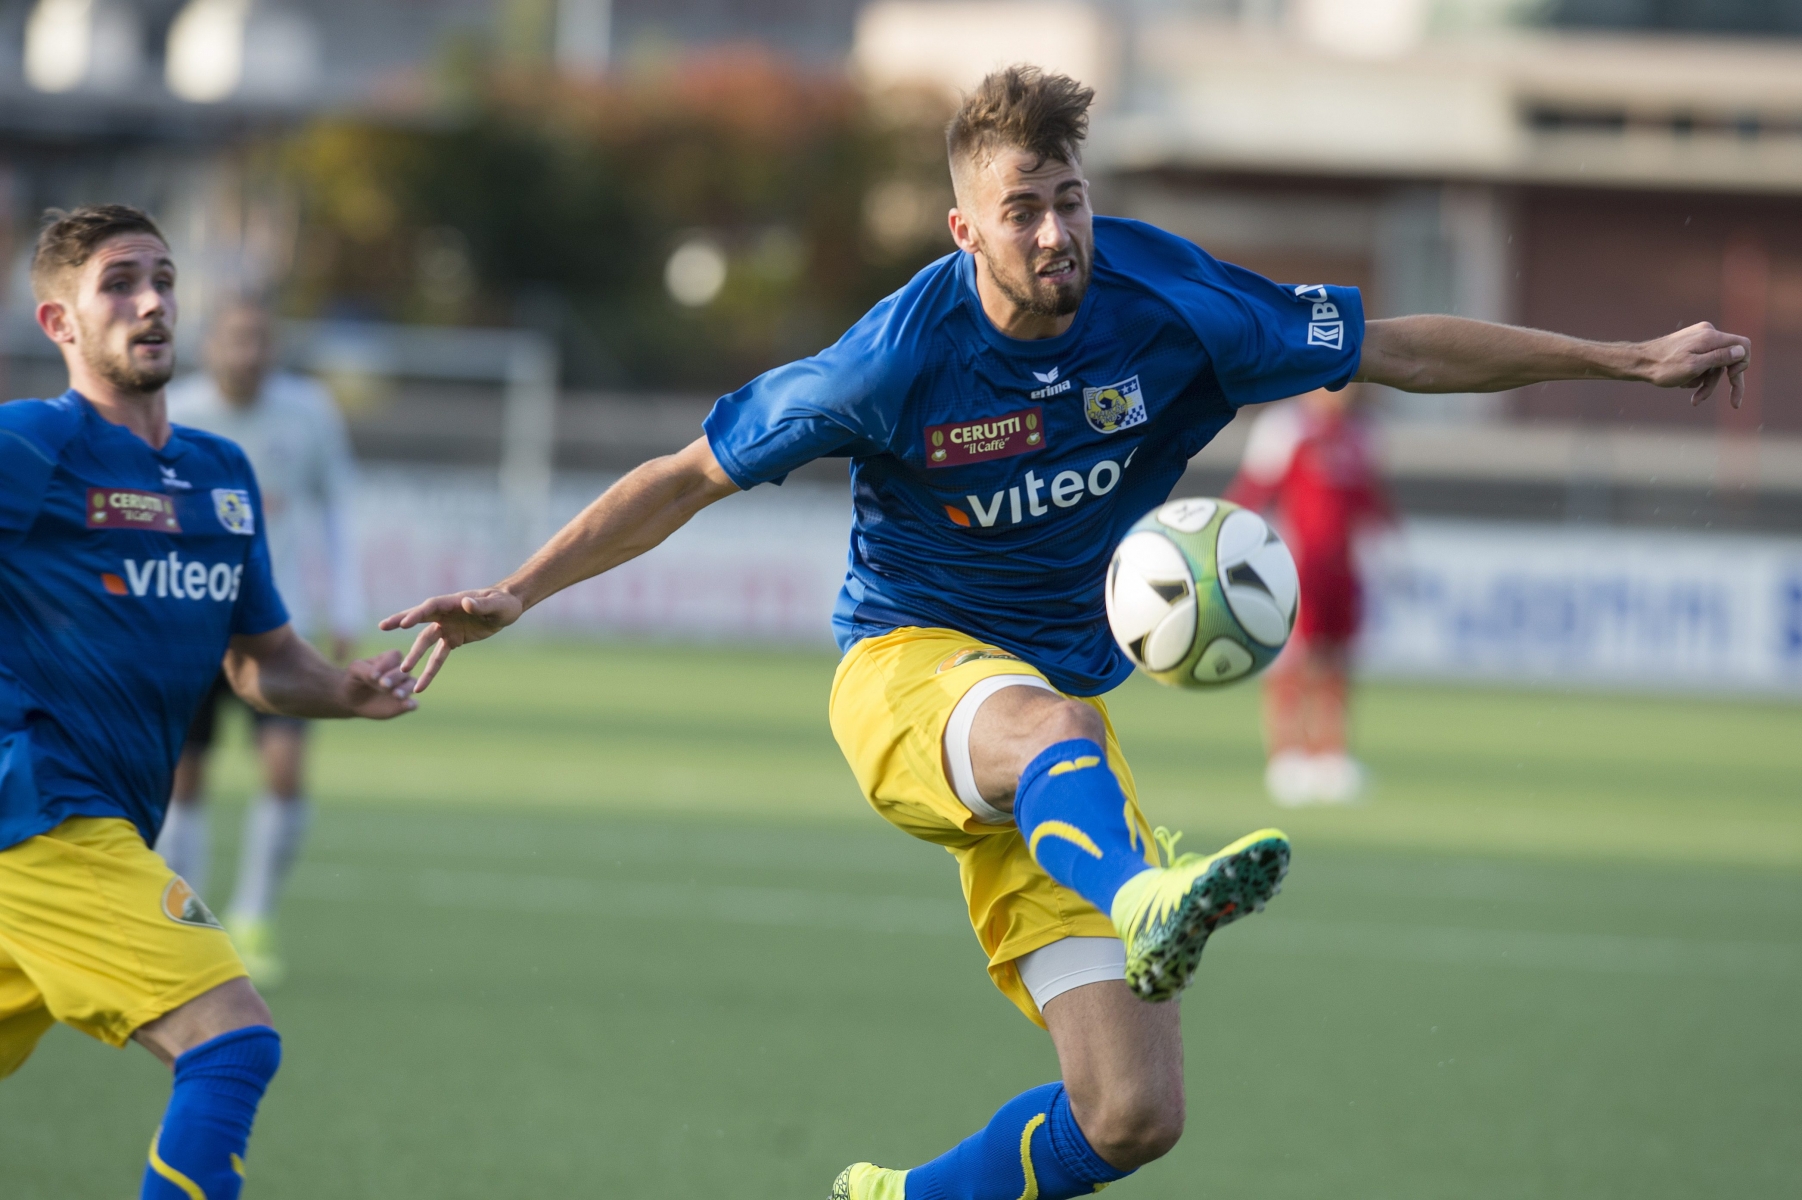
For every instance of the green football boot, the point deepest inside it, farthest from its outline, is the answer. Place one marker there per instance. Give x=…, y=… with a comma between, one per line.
x=862, y=1181
x=1165, y=915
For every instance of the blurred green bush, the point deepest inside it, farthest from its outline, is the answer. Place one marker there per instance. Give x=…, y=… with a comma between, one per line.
x=547, y=202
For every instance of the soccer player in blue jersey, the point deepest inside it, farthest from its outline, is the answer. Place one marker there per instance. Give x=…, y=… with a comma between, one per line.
x=1008, y=414
x=132, y=564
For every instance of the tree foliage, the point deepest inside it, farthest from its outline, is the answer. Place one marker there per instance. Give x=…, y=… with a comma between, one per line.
x=559, y=204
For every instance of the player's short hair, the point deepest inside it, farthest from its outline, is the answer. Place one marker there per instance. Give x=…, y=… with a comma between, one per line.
x=1024, y=108
x=68, y=239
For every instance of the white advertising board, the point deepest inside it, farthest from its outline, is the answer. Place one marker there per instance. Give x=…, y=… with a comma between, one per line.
x=1559, y=604
x=764, y=566
x=1587, y=605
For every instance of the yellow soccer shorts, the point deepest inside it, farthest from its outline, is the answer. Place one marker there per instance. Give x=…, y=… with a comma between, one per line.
x=98, y=933
x=892, y=699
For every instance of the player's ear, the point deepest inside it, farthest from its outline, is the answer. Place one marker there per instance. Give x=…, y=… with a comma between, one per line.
x=961, y=232
x=54, y=319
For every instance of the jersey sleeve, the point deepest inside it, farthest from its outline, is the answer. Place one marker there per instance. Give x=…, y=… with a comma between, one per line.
x=840, y=402
x=258, y=607
x=1272, y=340
x=32, y=433
x=1266, y=340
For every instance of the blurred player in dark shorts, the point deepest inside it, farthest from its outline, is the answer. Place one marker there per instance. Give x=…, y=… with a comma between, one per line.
x=296, y=440
x=270, y=850
x=1309, y=463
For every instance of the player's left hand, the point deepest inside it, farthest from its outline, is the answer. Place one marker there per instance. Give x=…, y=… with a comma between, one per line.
x=378, y=688
x=452, y=621
x=1699, y=357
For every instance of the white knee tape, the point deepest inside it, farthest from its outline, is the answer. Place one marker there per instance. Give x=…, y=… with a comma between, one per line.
x=957, y=743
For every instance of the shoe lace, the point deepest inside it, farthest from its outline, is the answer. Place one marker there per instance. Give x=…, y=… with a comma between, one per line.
x=1167, y=842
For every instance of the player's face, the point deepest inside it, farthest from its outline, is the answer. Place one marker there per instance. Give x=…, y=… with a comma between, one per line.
x=1030, y=221
x=124, y=312
x=240, y=351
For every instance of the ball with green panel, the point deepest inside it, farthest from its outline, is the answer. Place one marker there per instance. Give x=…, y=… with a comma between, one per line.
x=1201, y=593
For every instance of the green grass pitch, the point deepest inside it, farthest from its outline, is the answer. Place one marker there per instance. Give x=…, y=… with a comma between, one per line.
x=613, y=921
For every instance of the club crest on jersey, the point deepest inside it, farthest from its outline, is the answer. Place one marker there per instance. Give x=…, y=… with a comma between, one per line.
x=233, y=508
x=182, y=906
x=961, y=442
x=1114, y=407
x=130, y=508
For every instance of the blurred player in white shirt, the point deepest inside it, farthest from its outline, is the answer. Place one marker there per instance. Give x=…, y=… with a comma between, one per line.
x=296, y=441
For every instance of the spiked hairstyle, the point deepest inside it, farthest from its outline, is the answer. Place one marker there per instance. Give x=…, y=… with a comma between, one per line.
x=1020, y=107
x=68, y=239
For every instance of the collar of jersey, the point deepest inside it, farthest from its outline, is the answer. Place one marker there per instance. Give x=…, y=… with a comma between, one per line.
x=174, y=448
x=1050, y=347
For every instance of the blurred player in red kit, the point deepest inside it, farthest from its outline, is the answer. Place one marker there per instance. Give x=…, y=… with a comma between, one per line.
x=1309, y=463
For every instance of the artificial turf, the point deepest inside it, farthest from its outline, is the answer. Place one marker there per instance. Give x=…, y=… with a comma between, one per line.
x=612, y=920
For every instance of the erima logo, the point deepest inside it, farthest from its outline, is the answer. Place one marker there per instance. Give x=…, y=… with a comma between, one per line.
x=1052, y=386
x=1023, y=500
x=171, y=577
x=169, y=479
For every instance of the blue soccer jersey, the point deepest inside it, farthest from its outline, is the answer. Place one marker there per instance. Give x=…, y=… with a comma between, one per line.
x=991, y=477
x=124, y=573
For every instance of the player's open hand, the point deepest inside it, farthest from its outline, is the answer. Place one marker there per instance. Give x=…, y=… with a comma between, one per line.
x=452, y=621
x=379, y=687
x=1699, y=357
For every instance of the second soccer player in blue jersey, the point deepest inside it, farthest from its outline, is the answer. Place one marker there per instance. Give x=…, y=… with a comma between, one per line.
x=133, y=567
x=1008, y=414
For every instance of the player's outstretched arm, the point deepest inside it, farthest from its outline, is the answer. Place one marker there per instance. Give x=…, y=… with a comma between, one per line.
x=1453, y=354
x=633, y=516
x=280, y=672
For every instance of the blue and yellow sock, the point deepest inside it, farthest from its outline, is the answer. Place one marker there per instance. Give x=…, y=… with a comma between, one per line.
x=1072, y=813
x=1032, y=1148
x=198, y=1151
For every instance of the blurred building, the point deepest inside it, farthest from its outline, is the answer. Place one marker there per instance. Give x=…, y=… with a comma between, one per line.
x=1611, y=168
x=1616, y=171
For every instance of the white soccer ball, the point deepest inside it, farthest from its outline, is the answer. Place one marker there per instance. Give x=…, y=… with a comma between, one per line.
x=1201, y=592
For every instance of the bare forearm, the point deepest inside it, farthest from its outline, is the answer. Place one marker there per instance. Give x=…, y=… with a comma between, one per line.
x=633, y=516
x=1453, y=354
x=284, y=674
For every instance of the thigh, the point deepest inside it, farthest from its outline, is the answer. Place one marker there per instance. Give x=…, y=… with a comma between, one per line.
x=890, y=704
x=108, y=935
x=891, y=700
x=1112, y=1045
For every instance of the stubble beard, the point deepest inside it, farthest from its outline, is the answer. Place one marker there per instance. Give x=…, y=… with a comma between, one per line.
x=118, y=369
x=1030, y=295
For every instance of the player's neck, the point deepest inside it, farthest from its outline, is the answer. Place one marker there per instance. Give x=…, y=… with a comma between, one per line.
x=1010, y=319
x=144, y=413
x=240, y=395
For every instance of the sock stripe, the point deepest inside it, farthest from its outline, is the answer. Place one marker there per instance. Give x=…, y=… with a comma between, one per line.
x=1031, y=1191
x=1075, y=764
x=188, y=1186
x=1066, y=831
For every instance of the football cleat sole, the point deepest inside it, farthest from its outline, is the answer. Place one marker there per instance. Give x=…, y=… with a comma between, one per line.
x=1166, y=916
